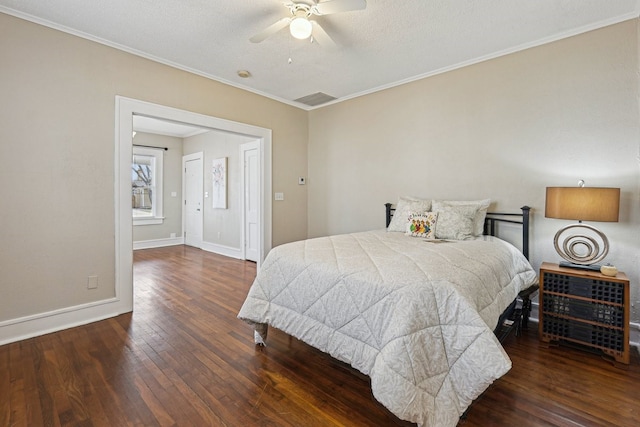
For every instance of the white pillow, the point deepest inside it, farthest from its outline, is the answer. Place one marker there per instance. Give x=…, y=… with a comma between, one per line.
x=456, y=222
x=481, y=205
x=404, y=207
x=422, y=225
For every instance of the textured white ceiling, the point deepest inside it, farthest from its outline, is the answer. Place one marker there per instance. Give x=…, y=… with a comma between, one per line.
x=390, y=42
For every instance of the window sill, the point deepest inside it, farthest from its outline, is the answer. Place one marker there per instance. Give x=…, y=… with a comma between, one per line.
x=148, y=221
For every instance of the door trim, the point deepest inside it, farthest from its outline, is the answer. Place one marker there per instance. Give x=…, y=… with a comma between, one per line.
x=122, y=300
x=187, y=158
x=125, y=108
x=253, y=145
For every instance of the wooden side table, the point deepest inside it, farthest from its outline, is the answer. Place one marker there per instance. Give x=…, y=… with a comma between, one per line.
x=586, y=308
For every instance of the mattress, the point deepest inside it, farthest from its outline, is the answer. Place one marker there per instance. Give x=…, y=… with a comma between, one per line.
x=416, y=316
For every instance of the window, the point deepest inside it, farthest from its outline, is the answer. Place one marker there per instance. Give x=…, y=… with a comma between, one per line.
x=146, y=186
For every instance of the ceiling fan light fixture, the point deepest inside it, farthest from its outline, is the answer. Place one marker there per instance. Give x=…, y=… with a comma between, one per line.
x=300, y=28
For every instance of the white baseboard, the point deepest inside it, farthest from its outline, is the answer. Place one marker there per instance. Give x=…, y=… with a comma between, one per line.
x=39, y=324
x=158, y=243
x=206, y=246
x=57, y=320
x=634, y=335
x=222, y=250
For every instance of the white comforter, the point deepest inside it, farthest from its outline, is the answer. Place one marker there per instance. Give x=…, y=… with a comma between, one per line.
x=416, y=316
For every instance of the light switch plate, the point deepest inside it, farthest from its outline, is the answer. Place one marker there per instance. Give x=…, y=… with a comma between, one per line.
x=279, y=196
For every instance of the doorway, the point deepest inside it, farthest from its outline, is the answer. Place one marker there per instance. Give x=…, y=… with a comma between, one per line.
x=250, y=184
x=192, y=209
x=126, y=108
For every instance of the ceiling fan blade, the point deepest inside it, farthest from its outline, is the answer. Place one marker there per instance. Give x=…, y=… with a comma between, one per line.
x=270, y=30
x=321, y=36
x=337, y=6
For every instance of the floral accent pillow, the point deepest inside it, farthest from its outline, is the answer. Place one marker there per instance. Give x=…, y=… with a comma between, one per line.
x=456, y=223
x=422, y=225
x=404, y=207
x=481, y=213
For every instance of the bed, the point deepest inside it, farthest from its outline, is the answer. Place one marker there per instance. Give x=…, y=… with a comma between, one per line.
x=418, y=316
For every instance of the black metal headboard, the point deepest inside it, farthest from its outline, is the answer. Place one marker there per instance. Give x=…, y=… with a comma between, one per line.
x=490, y=223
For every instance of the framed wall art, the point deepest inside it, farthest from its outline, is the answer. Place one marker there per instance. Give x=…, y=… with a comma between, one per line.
x=219, y=192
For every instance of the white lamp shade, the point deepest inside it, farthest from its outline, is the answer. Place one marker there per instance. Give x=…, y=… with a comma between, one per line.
x=300, y=28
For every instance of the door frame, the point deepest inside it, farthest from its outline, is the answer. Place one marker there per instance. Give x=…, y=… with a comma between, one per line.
x=187, y=158
x=248, y=146
x=125, y=109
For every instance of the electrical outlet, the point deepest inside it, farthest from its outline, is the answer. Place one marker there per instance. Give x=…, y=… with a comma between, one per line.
x=302, y=180
x=92, y=282
x=279, y=196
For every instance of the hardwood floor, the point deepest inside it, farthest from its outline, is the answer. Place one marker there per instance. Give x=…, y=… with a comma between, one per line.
x=183, y=358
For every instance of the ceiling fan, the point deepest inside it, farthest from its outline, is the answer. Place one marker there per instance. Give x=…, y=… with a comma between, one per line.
x=301, y=27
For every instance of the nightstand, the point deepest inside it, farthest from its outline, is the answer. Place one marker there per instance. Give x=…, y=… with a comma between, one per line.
x=585, y=307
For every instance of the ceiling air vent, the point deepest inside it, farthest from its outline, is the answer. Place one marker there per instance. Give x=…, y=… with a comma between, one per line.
x=315, y=99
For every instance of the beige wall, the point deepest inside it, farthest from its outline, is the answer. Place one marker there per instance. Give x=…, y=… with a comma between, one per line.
x=57, y=150
x=503, y=129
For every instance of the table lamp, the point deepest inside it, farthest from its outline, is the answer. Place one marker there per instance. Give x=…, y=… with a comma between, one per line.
x=582, y=204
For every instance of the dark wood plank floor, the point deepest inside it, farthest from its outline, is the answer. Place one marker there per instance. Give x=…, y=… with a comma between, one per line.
x=182, y=358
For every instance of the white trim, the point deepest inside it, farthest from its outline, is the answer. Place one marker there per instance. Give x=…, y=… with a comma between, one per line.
x=39, y=324
x=249, y=146
x=524, y=46
x=157, y=185
x=125, y=109
x=206, y=246
x=122, y=203
x=43, y=323
x=148, y=221
x=90, y=37
x=187, y=158
x=535, y=307
x=157, y=243
x=473, y=61
x=634, y=335
x=222, y=250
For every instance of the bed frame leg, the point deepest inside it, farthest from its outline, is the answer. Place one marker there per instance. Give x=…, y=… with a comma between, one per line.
x=526, y=304
x=260, y=333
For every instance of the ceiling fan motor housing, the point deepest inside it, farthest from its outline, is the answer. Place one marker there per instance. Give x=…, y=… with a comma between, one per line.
x=300, y=10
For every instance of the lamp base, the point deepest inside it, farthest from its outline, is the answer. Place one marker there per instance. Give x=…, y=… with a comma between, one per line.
x=581, y=251
x=590, y=267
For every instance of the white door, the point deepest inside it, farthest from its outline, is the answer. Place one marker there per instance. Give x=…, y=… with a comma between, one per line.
x=251, y=201
x=193, y=201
